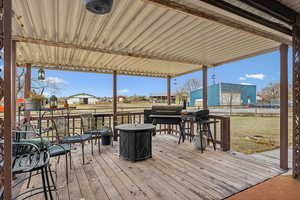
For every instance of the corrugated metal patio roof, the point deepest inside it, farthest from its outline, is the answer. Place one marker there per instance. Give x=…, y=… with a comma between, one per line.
x=137, y=38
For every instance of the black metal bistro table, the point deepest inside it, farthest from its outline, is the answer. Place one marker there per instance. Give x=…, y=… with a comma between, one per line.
x=136, y=141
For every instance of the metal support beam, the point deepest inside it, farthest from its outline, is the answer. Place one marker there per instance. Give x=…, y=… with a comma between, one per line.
x=204, y=79
x=115, y=118
x=169, y=90
x=296, y=101
x=284, y=106
x=275, y=9
x=249, y=15
x=8, y=112
x=27, y=87
x=85, y=68
x=106, y=51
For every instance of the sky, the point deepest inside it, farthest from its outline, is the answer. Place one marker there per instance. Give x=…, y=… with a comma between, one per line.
x=260, y=70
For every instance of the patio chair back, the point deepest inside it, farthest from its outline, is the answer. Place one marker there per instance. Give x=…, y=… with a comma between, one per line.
x=87, y=123
x=60, y=126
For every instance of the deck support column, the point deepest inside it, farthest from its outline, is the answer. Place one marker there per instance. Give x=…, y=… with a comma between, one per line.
x=296, y=100
x=169, y=90
x=115, y=117
x=13, y=84
x=27, y=87
x=8, y=112
x=204, y=79
x=284, y=106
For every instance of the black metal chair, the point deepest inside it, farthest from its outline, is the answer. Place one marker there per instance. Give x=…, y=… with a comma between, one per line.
x=204, y=129
x=28, y=158
x=60, y=127
x=89, y=126
x=44, y=143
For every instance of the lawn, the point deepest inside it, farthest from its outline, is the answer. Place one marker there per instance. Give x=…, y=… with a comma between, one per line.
x=243, y=130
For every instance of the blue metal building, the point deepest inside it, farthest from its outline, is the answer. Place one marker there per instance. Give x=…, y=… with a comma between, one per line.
x=225, y=94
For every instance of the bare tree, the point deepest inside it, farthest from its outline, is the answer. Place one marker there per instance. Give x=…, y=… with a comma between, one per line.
x=20, y=81
x=51, y=86
x=189, y=86
x=270, y=92
x=47, y=87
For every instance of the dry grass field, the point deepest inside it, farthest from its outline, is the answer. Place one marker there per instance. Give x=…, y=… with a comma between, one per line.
x=255, y=133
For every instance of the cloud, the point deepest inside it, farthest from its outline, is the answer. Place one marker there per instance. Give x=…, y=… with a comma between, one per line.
x=242, y=78
x=55, y=80
x=247, y=84
x=123, y=91
x=255, y=76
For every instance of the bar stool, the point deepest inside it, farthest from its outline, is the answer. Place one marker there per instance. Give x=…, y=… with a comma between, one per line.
x=204, y=129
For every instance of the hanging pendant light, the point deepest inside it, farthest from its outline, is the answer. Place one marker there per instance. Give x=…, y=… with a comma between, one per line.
x=41, y=75
x=99, y=7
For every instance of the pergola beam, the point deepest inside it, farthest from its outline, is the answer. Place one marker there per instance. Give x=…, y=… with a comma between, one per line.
x=54, y=66
x=106, y=51
x=275, y=9
x=249, y=15
x=220, y=19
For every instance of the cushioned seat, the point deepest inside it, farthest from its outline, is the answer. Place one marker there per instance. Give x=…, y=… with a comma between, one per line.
x=58, y=150
x=40, y=142
x=76, y=138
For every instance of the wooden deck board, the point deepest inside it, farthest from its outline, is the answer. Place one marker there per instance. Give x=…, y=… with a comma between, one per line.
x=175, y=172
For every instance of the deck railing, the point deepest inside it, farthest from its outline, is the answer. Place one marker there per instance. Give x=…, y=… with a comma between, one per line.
x=220, y=130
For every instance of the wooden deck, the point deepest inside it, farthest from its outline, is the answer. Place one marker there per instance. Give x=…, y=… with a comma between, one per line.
x=175, y=172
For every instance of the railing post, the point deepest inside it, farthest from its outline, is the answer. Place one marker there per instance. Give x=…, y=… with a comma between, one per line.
x=225, y=134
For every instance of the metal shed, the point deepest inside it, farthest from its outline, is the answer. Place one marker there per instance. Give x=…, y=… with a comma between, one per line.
x=226, y=94
x=82, y=98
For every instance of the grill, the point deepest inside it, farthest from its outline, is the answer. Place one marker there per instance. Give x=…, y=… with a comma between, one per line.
x=162, y=114
x=165, y=115
x=195, y=115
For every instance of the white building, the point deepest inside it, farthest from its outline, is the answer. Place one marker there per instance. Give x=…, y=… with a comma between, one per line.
x=82, y=98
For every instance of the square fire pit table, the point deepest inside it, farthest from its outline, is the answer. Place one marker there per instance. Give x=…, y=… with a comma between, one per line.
x=136, y=141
